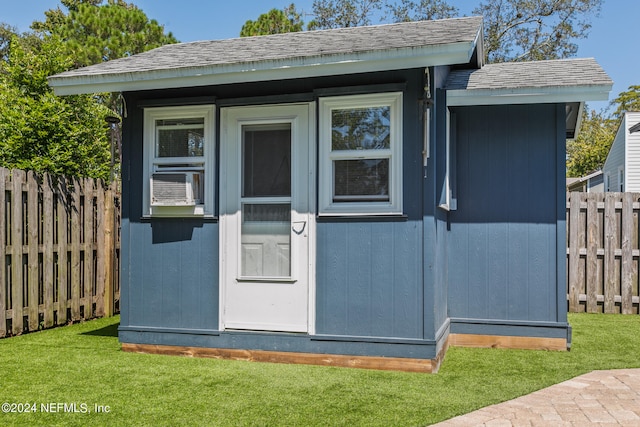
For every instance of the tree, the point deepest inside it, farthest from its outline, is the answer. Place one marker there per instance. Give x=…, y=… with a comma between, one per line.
x=274, y=22
x=528, y=30
x=343, y=13
x=515, y=30
x=627, y=101
x=40, y=131
x=7, y=32
x=94, y=31
x=589, y=150
x=408, y=10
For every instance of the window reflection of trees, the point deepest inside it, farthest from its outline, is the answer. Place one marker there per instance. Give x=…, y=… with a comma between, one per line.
x=361, y=128
x=180, y=138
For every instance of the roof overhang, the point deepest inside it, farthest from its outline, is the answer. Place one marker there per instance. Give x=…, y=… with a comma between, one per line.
x=293, y=68
x=532, y=95
x=573, y=96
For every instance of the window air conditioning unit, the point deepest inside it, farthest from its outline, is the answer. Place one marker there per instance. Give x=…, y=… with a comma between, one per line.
x=176, y=188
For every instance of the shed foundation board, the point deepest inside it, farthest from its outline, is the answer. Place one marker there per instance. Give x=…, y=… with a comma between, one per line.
x=499, y=341
x=337, y=360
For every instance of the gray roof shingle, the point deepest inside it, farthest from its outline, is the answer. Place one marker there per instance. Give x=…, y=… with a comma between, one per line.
x=283, y=47
x=535, y=74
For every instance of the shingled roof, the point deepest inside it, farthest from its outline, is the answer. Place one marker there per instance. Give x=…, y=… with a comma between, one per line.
x=504, y=82
x=291, y=55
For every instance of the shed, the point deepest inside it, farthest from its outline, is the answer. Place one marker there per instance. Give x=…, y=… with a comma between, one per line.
x=591, y=183
x=351, y=197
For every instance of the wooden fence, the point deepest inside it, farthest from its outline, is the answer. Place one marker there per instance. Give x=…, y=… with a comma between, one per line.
x=603, y=252
x=60, y=250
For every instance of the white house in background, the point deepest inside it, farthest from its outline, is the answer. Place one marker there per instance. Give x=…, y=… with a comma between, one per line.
x=622, y=167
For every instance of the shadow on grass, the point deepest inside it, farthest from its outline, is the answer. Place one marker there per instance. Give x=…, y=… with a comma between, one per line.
x=107, y=331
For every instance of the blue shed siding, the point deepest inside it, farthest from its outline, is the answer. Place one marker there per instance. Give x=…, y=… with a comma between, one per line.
x=502, y=246
x=369, y=279
x=175, y=284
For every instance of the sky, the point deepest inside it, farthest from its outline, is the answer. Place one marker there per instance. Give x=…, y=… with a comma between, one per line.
x=610, y=42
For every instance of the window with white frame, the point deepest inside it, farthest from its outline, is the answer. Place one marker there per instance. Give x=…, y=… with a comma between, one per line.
x=361, y=154
x=179, y=161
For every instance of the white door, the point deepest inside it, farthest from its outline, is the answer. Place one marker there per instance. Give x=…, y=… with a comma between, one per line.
x=265, y=215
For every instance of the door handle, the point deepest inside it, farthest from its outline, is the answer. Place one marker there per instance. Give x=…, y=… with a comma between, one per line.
x=298, y=227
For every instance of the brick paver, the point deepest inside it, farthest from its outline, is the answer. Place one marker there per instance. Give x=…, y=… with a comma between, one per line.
x=600, y=398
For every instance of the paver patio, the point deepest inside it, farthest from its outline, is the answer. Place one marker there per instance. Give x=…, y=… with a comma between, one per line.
x=599, y=398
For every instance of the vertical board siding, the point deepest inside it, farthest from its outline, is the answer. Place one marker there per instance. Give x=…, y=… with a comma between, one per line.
x=49, y=229
x=502, y=245
x=173, y=274
x=603, y=252
x=369, y=279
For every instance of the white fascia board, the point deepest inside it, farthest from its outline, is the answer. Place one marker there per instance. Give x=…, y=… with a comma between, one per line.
x=466, y=97
x=447, y=54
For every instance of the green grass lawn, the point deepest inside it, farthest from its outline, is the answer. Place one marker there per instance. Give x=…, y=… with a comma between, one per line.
x=83, y=365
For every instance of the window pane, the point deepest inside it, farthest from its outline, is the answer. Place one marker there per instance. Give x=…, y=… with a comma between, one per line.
x=361, y=128
x=361, y=180
x=266, y=162
x=180, y=138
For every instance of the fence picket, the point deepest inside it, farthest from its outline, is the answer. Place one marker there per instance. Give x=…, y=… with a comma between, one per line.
x=17, y=284
x=626, y=267
x=4, y=288
x=88, y=245
x=47, y=248
x=31, y=233
x=610, y=230
x=592, y=255
x=62, y=216
x=100, y=242
x=74, y=239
